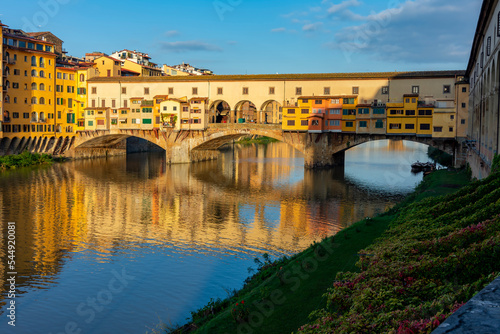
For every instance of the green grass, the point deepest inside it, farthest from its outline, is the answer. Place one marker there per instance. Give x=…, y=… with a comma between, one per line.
x=281, y=295
x=24, y=159
x=258, y=140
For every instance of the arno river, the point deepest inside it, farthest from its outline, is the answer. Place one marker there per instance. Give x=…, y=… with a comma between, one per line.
x=124, y=244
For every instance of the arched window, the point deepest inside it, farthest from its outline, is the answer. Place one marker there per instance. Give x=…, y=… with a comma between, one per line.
x=7, y=84
x=6, y=116
x=33, y=86
x=7, y=99
x=41, y=87
x=42, y=74
x=33, y=61
x=42, y=100
x=42, y=117
x=82, y=77
x=42, y=62
x=33, y=100
x=7, y=71
x=34, y=116
x=25, y=86
x=33, y=73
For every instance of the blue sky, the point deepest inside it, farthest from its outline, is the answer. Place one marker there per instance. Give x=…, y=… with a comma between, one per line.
x=252, y=37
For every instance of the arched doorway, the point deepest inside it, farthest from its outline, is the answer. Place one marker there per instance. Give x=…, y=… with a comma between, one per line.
x=245, y=111
x=220, y=112
x=271, y=112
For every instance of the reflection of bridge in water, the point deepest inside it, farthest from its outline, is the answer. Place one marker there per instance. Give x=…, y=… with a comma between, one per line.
x=320, y=150
x=108, y=206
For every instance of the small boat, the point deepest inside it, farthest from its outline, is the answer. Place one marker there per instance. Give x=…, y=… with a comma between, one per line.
x=418, y=167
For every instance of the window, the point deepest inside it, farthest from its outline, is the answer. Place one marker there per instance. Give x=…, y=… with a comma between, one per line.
x=291, y=123
x=42, y=100
x=42, y=62
x=170, y=90
x=125, y=103
x=452, y=117
x=349, y=112
x=464, y=105
x=33, y=61
x=245, y=90
x=415, y=89
x=195, y=91
x=446, y=89
x=147, y=121
x=304, y=111
x=394, y=126
x=498, y=25
x=304, y=122
x=220, y=91
x=305, y=101
x=349, y=101
x=82, y=77
x=451, y=129
x=94, y=90
x=438, y=129
x=378, y=111
x=362, y=124
x=113, y=103
x=292, y=111
x=335, y=101
x=15, y=115
x=103, y=103
x=326, y=91
x=334, y=111
x=385, y=90
x=349, y=124
x=314, y=122
x=425, y=112
x=410, y=112
x=409, y=126
x=462, y=121
x=42, y=86
x=355, y=90
x=488, y=46
x=271, y=90
x=100, y=122
x=146, y=90
x=26, y=115
x=298, y=90
x=425, y=126
x=379, y=124
x=15, y=85
x=318, y=102
x=17, y=72
x=334, y=122
x=464, y=89
x=363, y=111
x=124, y=90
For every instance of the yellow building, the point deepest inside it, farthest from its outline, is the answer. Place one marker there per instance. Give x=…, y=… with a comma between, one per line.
x=444, y=120
x=83, y=73
x=295, y=118
x=170, y=71
x=28, y=96
x=66, y=105
x=108, y=67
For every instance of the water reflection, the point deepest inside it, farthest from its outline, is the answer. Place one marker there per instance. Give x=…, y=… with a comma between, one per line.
x=185, y=233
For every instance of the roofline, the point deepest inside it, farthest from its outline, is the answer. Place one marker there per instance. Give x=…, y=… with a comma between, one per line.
x=290, y=77
x=480, y=28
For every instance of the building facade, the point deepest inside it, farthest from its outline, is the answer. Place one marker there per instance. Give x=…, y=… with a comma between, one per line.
x=484, y=100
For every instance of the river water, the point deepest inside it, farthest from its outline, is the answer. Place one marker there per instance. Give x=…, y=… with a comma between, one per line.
x=124, y=244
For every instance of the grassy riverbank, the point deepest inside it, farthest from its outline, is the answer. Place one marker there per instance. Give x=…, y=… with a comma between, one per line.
x=280, y=297
x=257, y=140
x=24, y=159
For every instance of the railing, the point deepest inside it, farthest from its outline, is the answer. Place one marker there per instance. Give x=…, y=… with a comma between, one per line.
x=6, y=119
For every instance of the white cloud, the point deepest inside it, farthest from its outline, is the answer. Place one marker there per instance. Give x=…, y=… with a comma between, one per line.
x=420, y=31
x=312, y=26
x=189, y=46
x=278, y=29
x=343, y=5
x=172, y=33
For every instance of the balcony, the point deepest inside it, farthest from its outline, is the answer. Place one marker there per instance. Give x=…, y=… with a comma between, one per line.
x=6, y=119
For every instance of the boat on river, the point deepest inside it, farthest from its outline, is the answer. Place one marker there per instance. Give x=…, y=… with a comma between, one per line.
x=418, y=167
